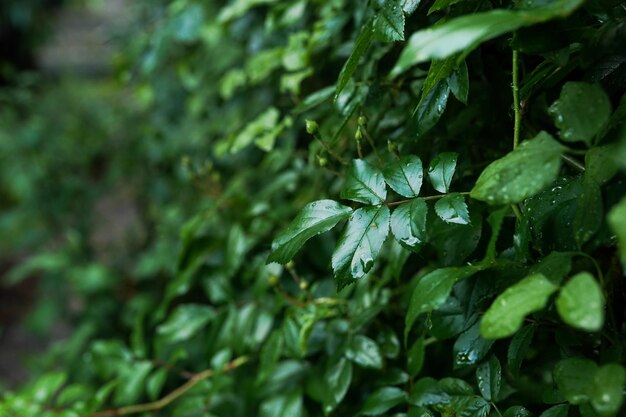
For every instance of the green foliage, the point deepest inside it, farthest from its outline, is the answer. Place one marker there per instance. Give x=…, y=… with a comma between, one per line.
x=296, y=262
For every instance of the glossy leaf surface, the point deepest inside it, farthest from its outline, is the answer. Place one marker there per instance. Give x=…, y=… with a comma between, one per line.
x=364, y=184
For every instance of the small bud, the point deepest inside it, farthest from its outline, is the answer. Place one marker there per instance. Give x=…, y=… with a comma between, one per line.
x=290, y=265
x=362, y=120
x=391, y=146
x=358, y=135
x=312, y=127
x=322, y=161
x=272, y=280
x=304, y=285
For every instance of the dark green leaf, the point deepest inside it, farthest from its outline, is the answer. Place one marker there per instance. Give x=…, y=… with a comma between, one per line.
x=408, y=223
x=405, y=176
x=581, y=303
x=452, y=209
x=617, y=221
x=463, y=34
x=560, y=410
x=364, y=352
x=389, y=22
x=185, y=322
x=427, y=392
x=285, y=405
x=555, y=266
x=439, y=70
x=489, y=378
x=337, y=380
x=470, y=406
x=431, y=107
x=520, y=174
x=495, y=221
x=471, y=347
x=360, y=243
x=315, y=218
x=382, y=400
x=518, y=347
x=574, y=378
x=600, y=163
x=589, y=212
x=507, y=313
x=441, y=170
x=442, y=4
x=364, y=184
x=363, y=41
x=432, y=290
x=416, y=357
x=608, y=395
x=581, y=111
x=517, y=411
x=458, y=82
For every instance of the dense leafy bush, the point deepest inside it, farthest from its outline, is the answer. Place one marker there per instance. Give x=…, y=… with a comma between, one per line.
x=465, y=159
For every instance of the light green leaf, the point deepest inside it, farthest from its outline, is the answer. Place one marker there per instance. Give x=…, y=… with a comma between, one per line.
x=441, y=170
x=463, y=34
x=408, y=223
x=581, y=303
x=575, y=379
x=337, y=379
x=363, y=41
x=283, y=405
x=360, y=243
x=364, y=352
x=433, y=289
x=507, y=312
x=489, y=378
x=608, y=394
x=520, y=174
x=185, y=321
x=452, y=209
x=617, y=221
x=263, y=126
x=431, y=107
x=581, y=111
x=315, y=218
x=409, y=6
x=382, y=400
x=405, y=176
x=364, y=184
x=389, y=22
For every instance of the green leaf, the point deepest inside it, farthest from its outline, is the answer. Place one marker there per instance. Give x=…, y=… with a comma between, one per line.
x=405, y=176
x=364, y=352
x=283, y=405
x=442, y=4
x=517, y=411
x=555, y=266
x=463, y=34
x=471, y=347
x=431, y=107
x=408, y=223
x=520, y=174
x=581, y=303
x=427, y=392
x=458, y=82
x=439, y=70
x=337, y=381
x=185, y=322
x=617, y=221
x=363, y=41
x=575, y=379
x=433, y=289
x=489, y=378
x=415, y=357
x=409, y=6
x=518, y=347
x=495, y=220
x=364, y=184
x=589, y=211
x=507, y=313
x=608, y=395
x=581, y=111
x=315, y=218
x=382, y=400
x=560, y=410
x=452, y=209
x=360, y=243
x=263, y=127
x=470, y=406
x=441, y=170
x=389, y=22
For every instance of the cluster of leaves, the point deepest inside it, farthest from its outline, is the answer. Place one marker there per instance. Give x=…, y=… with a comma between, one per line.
x=492, y=288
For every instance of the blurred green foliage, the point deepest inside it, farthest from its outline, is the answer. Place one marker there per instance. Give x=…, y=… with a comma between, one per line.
x=467, y=274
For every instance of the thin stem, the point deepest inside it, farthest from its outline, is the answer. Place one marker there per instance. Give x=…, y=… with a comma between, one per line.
x=430, y=197
x=329, y=150
x=169, y=398
x=573, y=162
x=371, y=142
x=516, y=105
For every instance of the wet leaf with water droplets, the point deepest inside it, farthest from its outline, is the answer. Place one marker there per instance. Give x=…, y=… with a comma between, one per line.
x=405, y=176
x=452, y=209
x=581, y=303
x=471, y=347
x=560, y=410
x=389, y=22
x=431, y=107
x=507, y=312
x=489, y=378
x=441, y=170
x=382, y=400
x=364, y=352
x=364, y=184
x=408, y=224
x=360, y=243
x=581, y=111
x=315, y=218
x=520, y=174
